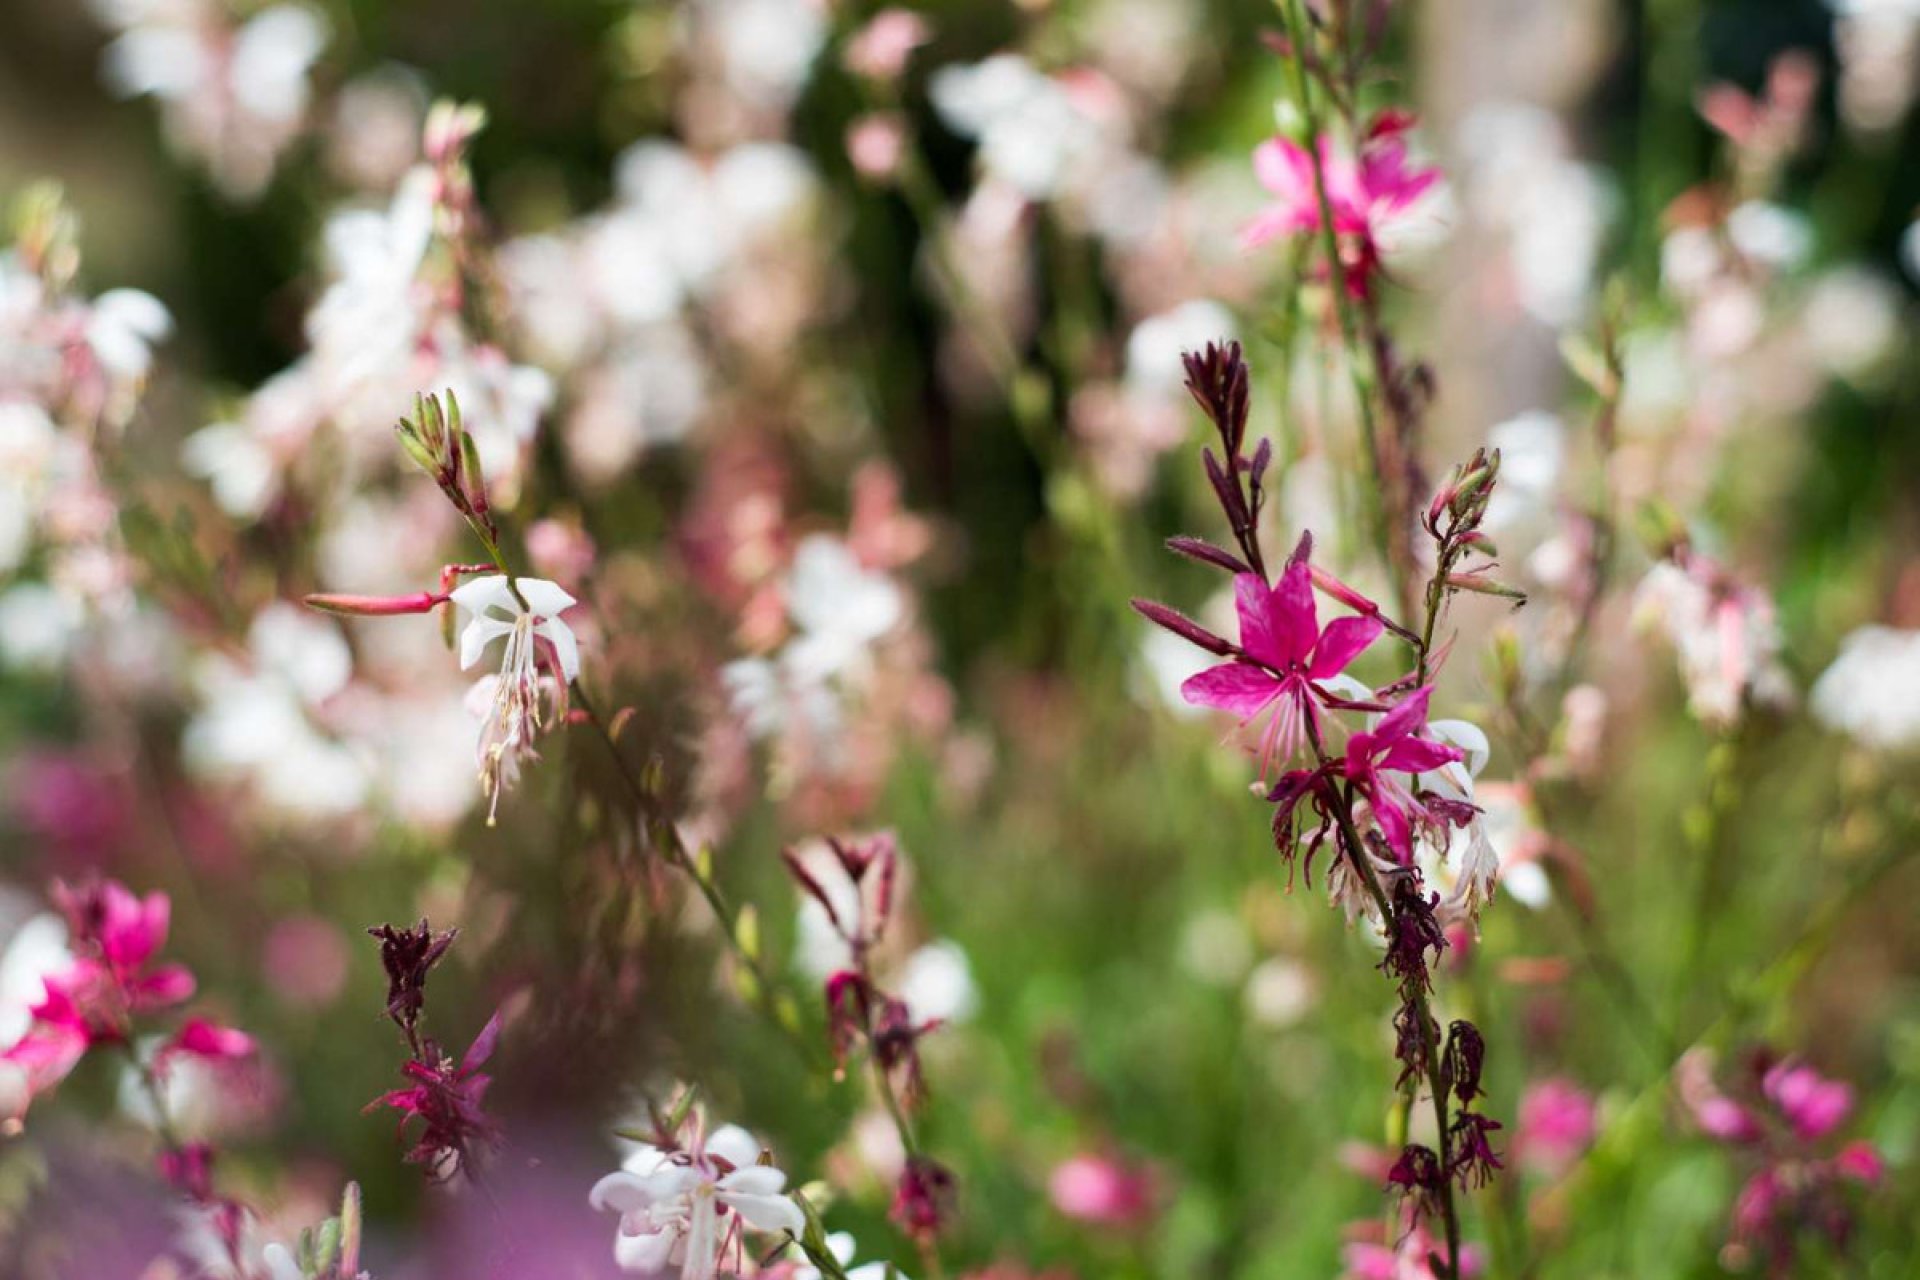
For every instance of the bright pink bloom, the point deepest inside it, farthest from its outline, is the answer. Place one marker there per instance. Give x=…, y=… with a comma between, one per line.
x=1862, y=1162
x=199, y=1038
x=1101, y=1190
x=1555, y=1126
x=1365, y=194
x=1814, y=1105
x=1283, y=653
x=1395, y=746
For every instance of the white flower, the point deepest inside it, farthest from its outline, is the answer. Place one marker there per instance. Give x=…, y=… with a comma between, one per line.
x=369, y=316
x=255, y=720
x=937, y=983
x=525, y=611
x=1029, y=129
x=1872, y=690
x=122, y=327
x=1723, y=633
x=840, y=607
x=1533, y=449
x=1468, y=867
x=1157, y=343
x=679, y=1208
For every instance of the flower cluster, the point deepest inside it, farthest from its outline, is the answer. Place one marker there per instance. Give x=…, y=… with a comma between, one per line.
x=1780, y=1114
x=1373, y=797
x=108, y=993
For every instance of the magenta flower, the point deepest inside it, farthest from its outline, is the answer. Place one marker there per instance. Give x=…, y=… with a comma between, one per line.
x=95, y=997
x=1556, y=1125
x=1283, y=653
x=1812, y=1105
x=1366, y=193
x=1395, y=746
x=119, y=933
x=446, y=1099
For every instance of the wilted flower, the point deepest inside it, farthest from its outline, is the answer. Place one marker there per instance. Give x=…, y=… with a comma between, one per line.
x=446, y=1097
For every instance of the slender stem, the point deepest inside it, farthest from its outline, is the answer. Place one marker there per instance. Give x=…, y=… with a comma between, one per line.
x=1363, y=356
x=666, y=837
x=1417, y=996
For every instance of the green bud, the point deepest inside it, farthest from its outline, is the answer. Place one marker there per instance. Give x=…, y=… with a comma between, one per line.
x=746, y=931
x=417, y=448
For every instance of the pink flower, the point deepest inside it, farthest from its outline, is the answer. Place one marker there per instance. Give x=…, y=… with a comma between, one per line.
x=1395, y=746
x=1101, y=1190
x=1812, y=1104
x=200, y=1038
x=1283, y=653
x=1861, y=1162
x=879, y=50
x=1406, y=1258
x=94, y=999
x=446, y=1099
x=1556, y=1124
x=1365, y=194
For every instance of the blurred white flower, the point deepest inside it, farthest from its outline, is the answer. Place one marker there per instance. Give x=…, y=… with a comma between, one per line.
x=1533, y=449
x=1029, y=129
x=1852, y=319
x=256, y=720
x=1872, y=690
x=937, y=983
x=232, y=95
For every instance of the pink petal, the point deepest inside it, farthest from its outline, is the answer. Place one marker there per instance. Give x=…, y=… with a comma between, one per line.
x=1418, y=755
x=1234, y=687
x=1283, y=167
x=167, y=985
x=1403, y=719
x=204, y=1039
x=1293, y=617
x=483, y=1045
x=1343, y=641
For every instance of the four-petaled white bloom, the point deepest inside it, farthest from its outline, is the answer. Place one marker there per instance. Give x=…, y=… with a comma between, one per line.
x=526, y=612
x=687, y=1208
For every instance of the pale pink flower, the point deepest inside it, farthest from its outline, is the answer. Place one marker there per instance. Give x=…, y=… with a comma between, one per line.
x=880, y=50
x=1102, y=1190
x=1556, y=1125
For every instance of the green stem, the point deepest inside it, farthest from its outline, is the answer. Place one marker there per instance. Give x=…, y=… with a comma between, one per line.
x=1417, y=996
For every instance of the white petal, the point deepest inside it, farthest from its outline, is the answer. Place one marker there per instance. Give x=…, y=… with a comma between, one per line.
x=619, y=1193
x=477, y=635
x=645, y=1253
x=478, y=595
x=564, y=645
x=544, y=598
x=734, y=1145
x=754, y=1180
x=766, y=1213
